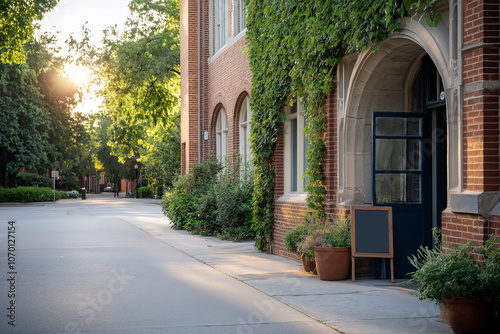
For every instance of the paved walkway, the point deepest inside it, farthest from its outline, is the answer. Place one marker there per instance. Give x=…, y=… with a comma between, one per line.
x=235, y=289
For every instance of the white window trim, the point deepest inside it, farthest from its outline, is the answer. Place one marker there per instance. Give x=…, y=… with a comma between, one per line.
x=301, y=155
x=230, y=40
x=221, y=133
x=245, y=124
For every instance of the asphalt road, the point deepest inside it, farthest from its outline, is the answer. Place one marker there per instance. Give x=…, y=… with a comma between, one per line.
x=90, y=267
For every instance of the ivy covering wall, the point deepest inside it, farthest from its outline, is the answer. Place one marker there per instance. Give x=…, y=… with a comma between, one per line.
x=294, y=48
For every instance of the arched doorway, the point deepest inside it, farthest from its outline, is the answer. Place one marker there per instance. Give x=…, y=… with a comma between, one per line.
x=394, y=144
x=409, y=170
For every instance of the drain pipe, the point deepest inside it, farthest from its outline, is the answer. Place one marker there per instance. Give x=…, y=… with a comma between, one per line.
x=199, y=88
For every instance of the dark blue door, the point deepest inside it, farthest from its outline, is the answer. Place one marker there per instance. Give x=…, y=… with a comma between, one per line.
x=402, y=180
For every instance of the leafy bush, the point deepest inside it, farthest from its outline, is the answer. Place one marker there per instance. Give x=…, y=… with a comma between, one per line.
x=146, y=192
x=233, y=195
x=212, y=200
x=32, y=180
x=29, y=194
x=69, y=182
x=457, y=273
x=296, y=235
x=180, y=204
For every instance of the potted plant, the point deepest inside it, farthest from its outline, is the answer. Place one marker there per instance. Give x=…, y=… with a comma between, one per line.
x=331, y=244
x=294, y=237
x=468, y=288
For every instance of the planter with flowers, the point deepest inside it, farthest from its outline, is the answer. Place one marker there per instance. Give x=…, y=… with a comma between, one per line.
x=331, y=245
x=468, y=288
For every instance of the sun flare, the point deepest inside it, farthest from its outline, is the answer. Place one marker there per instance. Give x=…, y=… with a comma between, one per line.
x=78, y=74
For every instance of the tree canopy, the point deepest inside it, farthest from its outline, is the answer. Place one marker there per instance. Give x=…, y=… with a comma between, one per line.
x=38, y=128
x=17, y=19
x=140, y=72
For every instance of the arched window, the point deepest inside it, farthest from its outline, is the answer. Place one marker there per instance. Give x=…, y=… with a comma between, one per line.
x=221, y=135
x=245, y=122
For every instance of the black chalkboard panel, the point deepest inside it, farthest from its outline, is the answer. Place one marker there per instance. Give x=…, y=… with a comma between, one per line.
x=372, y=231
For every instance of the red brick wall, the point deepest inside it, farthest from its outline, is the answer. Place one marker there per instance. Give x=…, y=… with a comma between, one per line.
x=481, y=104
x=330, y=167
x=189, y=81
x=222, y=81
x=460, y=228
x=481, y=61
x=494, y=225
x=228, y=81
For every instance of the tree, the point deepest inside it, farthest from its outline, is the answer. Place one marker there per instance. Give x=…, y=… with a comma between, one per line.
x=103, y=156
x=38, y=128
x=140, y=69
x=161, y=163
x=17, y=25
x=23, y=120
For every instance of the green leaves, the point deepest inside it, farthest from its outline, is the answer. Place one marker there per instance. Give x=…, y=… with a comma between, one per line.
x=16, y=26
x=141, y=68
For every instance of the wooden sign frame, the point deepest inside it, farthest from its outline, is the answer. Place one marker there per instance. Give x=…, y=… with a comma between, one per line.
x=390, y=246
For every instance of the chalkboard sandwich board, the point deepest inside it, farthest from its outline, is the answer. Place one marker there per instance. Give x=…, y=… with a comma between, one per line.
x=371, y=234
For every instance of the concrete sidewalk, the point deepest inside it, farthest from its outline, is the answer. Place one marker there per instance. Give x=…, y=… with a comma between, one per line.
x=364, y=306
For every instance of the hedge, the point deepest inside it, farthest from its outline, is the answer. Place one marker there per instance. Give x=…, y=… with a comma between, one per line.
x=30, y=194
x=32, y=180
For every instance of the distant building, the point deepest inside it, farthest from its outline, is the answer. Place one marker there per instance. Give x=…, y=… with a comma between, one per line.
x=414, y=126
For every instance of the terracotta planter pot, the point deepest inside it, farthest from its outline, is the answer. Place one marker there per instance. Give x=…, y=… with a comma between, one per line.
x=466, y=315
x=332, y=263
x=307, y=264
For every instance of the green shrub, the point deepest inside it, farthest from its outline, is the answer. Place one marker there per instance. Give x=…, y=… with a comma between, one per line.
x=179, y=207
x=212, y=200
x=233, y=196
x=32, y=180
x=206, y=208
x=457, y=273
x=180, y=204
x=30, y=194
x=146, y=192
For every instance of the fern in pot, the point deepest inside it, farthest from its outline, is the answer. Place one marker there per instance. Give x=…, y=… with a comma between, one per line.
x=469, y=289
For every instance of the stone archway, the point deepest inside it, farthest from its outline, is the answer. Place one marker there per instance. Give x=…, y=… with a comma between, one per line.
x=384, y=82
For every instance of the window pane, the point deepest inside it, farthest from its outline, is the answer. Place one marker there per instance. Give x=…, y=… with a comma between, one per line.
x=293, y=108
x=398, y=188
x=398, y=154
x=293, y=139
x=394, y=126
x=243, y=13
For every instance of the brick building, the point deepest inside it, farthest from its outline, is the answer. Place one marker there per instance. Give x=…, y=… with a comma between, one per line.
x=414, y=126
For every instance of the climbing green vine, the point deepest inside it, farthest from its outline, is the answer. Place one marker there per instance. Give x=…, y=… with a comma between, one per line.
x=294, y=47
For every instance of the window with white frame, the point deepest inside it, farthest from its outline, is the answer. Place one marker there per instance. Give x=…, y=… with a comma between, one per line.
x=221, y=135
x=296, y=146
x=220, y=27
x=239, y=16
x=245, y=122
